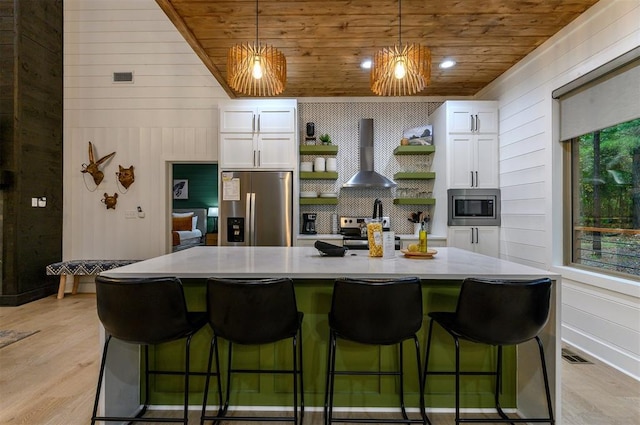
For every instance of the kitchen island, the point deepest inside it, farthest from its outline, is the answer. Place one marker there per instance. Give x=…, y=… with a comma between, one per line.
x=313, y=276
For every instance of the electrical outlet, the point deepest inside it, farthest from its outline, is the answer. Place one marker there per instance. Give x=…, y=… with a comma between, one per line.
x=34, y=202
x=130, y=214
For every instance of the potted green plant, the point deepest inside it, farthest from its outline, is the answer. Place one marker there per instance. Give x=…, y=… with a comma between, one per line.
x=325, y=139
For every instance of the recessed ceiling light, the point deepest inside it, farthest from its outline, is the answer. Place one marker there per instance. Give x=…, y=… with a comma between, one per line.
x=447, y=63
x=366, y=64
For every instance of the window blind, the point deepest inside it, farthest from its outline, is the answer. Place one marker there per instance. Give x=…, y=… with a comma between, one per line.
x=603, y=101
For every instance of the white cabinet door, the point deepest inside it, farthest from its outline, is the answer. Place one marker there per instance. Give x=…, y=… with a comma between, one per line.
x=486, y=117
x=276, y=120
x=488, y=240
x=237, y=119
x=237, y=150
x=486, y=157
x=472, y=161
x=481, y=239
x=461, y=237
x=472, y=117
x=462, y=160
x=275, y=150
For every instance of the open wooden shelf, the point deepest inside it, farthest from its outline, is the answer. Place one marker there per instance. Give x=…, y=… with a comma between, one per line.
x=427, y=175
x=318, y=175
x=414, y=150
x=318, y=149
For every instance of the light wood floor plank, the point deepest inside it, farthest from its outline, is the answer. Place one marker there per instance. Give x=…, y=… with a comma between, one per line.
x=49, y=378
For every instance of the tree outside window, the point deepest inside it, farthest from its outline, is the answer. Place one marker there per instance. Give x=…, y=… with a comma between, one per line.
x=606, y=199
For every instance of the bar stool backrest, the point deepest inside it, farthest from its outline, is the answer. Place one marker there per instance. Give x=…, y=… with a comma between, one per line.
x=252, y=311
x=376, y=311
x=502, y=312
x=143, y=311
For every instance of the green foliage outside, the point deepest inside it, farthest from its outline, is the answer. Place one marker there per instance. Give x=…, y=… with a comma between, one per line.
x=607, y=163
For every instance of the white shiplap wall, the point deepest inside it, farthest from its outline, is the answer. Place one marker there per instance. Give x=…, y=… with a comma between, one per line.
x=169, y=113
x=600, y=314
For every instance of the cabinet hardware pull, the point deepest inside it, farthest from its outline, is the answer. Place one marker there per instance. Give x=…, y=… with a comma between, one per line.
x=258, y=122
x=477, y=183
x=253, y=123
x=477, y=123
x=259, y=158
x=472, y=184
x=254, y=158
x=471, y=116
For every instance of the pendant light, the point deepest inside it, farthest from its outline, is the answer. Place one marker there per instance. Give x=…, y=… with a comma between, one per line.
x=255, y=69
x=400, y=70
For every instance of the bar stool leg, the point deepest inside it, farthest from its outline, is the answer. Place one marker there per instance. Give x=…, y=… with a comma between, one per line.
x=213, y=351
x=546, y=380
x=301, y=377
x=100, y=377
x=457, y=345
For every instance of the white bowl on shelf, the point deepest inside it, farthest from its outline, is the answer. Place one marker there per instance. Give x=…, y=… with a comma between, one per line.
x=308, y=194
x=328, y=195
x=306, y=166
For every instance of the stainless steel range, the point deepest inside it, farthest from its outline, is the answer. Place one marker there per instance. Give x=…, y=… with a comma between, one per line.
x=354, y=231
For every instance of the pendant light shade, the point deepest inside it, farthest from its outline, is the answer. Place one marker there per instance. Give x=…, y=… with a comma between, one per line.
x=401, y=70
x=255, y=69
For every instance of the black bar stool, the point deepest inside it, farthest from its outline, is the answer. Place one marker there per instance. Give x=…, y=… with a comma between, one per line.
x=254, y=312
x=146, y=312
x=374, y=312
x=497, y=313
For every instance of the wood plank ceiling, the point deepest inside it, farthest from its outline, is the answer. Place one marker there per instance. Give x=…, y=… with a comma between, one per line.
x=325, y=41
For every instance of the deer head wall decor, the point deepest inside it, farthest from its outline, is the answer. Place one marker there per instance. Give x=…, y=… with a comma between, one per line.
x=92, y=168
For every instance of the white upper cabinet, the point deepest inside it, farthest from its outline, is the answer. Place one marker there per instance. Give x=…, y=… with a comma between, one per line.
x=248, y=119
x=476, y=116
x=258, y=135
x=468, y=132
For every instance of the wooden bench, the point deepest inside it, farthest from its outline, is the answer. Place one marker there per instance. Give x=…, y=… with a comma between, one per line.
x=77, y=268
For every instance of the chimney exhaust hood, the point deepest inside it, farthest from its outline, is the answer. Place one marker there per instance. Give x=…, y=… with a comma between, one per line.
x=366, y=177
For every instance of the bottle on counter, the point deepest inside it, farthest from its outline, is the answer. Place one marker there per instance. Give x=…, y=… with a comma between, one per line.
x=422, y=238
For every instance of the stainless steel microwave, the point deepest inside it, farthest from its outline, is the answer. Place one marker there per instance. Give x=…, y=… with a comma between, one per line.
x=474, y=207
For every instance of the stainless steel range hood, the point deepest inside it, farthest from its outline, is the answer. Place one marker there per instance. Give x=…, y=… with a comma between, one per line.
x=366, y=177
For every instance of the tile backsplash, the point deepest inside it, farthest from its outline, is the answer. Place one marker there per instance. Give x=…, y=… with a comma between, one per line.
x=340, y=120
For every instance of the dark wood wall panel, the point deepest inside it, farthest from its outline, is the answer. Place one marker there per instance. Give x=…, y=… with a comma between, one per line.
x=32, y=237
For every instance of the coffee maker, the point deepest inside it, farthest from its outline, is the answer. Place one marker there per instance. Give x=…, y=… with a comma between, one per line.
x=309, y=223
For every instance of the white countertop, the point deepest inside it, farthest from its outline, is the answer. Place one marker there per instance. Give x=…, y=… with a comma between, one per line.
x=327, y=236
x=306, y=263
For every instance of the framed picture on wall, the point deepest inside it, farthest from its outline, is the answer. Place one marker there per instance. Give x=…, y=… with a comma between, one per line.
x=181, y=189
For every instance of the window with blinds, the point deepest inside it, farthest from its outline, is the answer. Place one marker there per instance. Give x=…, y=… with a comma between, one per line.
x=600, y=119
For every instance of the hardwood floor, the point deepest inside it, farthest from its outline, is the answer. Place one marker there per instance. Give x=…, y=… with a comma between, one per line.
x=49, y=378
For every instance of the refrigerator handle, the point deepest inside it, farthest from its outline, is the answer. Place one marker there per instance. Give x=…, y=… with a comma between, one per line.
x=253, y=219
x=247, y=226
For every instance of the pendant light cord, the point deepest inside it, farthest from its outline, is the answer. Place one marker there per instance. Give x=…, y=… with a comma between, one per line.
x=256, y=23
x=400, y=26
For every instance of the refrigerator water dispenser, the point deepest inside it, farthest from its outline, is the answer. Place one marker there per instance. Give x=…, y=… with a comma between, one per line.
x=235, y=229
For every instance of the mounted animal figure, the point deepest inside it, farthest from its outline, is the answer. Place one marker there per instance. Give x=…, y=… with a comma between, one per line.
x=125, y=176
x=92, y=168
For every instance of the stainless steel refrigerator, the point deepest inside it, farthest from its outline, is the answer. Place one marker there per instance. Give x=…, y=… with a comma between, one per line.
x=256, y=208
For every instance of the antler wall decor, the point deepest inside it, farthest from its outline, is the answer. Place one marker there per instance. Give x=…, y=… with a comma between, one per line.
x=92, y=168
